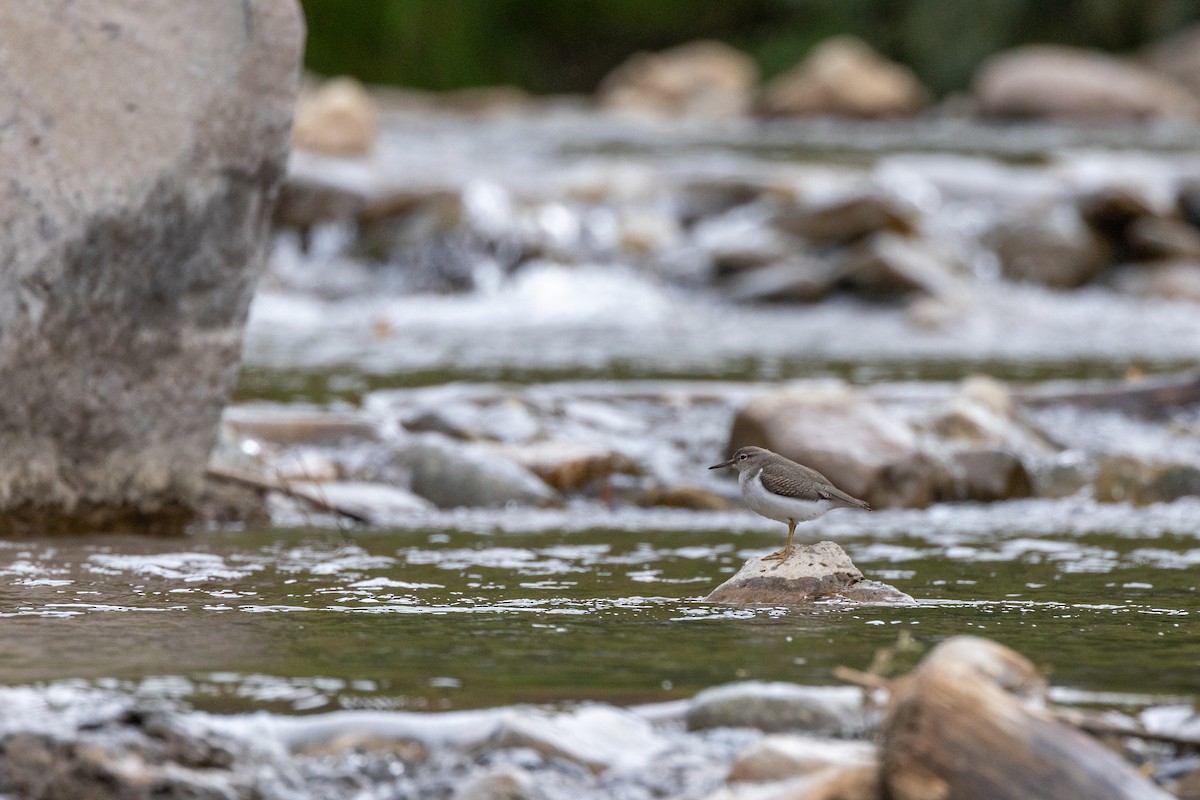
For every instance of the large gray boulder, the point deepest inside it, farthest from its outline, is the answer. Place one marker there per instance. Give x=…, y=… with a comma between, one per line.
x=141, y=145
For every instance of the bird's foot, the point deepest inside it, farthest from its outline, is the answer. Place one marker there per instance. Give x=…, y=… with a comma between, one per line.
x=779, y=555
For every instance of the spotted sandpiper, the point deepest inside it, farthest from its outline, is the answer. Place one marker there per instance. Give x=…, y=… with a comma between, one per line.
x=780, y=489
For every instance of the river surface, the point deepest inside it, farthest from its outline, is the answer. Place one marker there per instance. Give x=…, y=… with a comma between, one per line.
x=481, y=609
x=469, y=609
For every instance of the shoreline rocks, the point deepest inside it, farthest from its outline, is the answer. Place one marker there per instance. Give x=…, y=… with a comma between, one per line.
x=971, y=720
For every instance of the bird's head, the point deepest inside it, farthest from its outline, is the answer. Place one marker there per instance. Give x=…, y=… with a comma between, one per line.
x=745, y=458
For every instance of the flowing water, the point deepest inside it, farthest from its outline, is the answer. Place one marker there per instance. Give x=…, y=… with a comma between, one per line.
x=473, y=610
x=453, y=610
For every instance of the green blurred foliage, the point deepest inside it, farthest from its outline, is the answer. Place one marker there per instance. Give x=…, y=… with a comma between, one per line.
x=569, y=45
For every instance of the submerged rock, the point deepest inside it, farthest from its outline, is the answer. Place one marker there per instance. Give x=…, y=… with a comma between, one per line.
x=814, y=573
x=142, y=149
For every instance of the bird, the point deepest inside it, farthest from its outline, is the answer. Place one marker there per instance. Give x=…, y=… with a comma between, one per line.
x=780, y=489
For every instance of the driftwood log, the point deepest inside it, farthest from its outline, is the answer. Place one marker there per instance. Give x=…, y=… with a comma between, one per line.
x=1151, y=398
x=969, y=722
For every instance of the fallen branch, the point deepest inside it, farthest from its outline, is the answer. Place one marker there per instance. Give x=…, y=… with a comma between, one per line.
x=867, y=680
x=1097, y=725
x=1150, y=398
x=253, y=481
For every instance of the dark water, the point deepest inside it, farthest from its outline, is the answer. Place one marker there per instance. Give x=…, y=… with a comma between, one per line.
x=449, y=616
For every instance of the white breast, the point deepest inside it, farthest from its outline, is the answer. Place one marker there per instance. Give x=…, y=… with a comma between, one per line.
x=777, y=507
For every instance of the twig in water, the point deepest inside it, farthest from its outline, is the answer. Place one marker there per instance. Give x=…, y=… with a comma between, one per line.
x=317, y=501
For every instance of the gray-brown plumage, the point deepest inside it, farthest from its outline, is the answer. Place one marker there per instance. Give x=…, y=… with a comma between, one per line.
x=779, y=488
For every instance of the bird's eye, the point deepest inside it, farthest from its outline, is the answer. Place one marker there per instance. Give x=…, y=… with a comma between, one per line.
x=743, y=457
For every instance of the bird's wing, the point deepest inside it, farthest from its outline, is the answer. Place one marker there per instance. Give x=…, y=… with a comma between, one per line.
x=801, y=484
x=806, y=483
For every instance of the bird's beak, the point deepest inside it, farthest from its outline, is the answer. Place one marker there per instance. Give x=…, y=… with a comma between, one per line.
x=728, y=463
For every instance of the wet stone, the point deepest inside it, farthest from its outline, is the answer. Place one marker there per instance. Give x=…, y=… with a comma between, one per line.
x=498, y=783
x=1050, y=81
x=780, y=756
x=1051, y=246
x=798, y=279
x=779, y=707
x=570, y=466
x=990, y=475
x=844, y=76
x=888, y=265
x=1168, y=280
x=840, y=220
x=290, y=426
x=455, y=474
x=820, y=572
x=701, y=80
x=689, y=497
x=847, y=437
x=597, y=737
x=337, y=119
x=377, y=502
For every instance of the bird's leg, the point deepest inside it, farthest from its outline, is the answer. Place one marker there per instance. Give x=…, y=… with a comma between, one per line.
x=782, y=555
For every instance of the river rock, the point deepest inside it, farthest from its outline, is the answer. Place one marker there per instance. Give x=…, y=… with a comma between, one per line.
x=986, y=476
x=142, y=147
x=742, y=239
x=815, y=573
x=969, y=722
x=779, y=707
x=780, y=756
x=1178, y=57
x=850, y=439
x=843, y=76
x=570, y=466
x=1125, y=479
x=797, y=279
x=129, y=755
x=1169, y=280
x=833, y=783
x=306, y=201
x=455, y=474
x=1164, y=238
x=598, y=737
x=336, y=119
x=1050, y=81
x=705, y=80
x=1111, y=210
x=887, y=265
x=692, y=498
x=1051, y=246
x=498, y=783
x=506, y=419
x=840, y=219
x=376, y=502
x=297, y=426
x=1187, y=201
x=983, y=414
